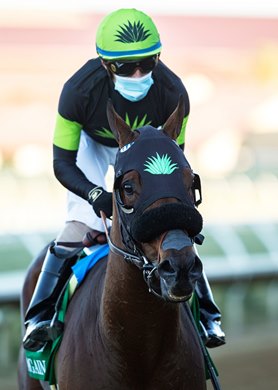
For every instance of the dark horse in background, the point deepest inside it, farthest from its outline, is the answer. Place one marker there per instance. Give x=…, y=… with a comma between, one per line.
x=127, y=327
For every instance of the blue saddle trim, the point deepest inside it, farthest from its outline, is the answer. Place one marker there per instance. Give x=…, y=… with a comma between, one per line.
x=83, y=266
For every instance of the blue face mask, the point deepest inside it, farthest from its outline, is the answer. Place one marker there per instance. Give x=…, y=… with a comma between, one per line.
x=133, y=89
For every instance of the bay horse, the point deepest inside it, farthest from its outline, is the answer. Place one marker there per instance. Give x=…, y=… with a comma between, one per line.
x=126, y=326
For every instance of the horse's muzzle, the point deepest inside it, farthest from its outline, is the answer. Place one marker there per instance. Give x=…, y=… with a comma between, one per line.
x=177, y=279
x=179, y=268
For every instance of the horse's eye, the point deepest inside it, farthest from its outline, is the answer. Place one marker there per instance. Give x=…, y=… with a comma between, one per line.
x=128, y=188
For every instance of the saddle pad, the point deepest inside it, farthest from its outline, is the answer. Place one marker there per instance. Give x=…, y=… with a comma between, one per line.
x=83, y=266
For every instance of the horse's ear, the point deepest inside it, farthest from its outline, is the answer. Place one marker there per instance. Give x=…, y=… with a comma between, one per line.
x=172, y=127
x=119, y=127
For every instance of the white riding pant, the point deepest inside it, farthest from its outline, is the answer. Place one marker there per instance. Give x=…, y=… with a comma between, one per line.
x=93, y=159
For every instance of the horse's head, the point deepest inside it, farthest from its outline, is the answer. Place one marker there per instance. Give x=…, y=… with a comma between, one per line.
x=154, y=202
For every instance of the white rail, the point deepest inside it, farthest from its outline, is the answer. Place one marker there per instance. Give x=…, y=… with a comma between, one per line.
x=233, y=263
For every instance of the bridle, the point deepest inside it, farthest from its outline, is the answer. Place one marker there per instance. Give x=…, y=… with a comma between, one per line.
x=133, y=220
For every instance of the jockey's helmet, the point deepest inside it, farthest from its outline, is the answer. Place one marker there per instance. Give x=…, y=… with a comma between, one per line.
x=127, y=34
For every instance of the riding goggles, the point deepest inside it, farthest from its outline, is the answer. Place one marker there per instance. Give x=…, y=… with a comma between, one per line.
x=127, y=68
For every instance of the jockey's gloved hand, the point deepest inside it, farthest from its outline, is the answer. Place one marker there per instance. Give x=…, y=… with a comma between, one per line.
x=101, y=200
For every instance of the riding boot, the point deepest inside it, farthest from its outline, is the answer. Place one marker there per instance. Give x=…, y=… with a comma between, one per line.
x=210, y=316
x=39, y=320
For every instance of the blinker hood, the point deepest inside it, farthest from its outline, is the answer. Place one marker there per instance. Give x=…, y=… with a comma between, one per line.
x=160, y=171
x=161, y=175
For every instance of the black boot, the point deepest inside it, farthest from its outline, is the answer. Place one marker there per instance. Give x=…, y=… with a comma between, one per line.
x=41, y=326
x=210, y=315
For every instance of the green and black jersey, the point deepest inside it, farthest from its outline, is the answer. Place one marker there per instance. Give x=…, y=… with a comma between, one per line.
x=82, y=106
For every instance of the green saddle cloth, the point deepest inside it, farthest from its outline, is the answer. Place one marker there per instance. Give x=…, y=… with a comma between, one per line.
x=41, y=363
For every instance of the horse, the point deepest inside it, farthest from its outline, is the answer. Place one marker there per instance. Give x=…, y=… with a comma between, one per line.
x=127, y=326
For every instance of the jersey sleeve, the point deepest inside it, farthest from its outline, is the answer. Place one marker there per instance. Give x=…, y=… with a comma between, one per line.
x=66, y=133
x=181, y=137
x=68, y=173
x=171, y=88
x=182, y=91
x=66, y=143
x=69, y=119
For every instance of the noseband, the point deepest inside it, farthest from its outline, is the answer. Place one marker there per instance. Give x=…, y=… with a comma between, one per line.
x=153, y=222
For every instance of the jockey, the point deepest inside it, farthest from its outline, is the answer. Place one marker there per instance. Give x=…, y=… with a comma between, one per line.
x=143, y=90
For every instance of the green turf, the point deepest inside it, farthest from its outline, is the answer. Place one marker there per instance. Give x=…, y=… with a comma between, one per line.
x=14, y=255
x=210, y=247
x=251, y=241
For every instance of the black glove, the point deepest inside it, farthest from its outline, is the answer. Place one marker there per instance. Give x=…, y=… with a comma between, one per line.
x=101, y=200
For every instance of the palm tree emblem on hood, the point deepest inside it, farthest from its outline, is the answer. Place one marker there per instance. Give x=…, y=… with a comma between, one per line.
x=160, y=165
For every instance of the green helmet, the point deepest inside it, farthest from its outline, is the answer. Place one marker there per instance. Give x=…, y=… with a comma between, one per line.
x=127, y=33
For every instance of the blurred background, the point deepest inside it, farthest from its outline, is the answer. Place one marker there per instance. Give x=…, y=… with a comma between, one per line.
x=227, y=56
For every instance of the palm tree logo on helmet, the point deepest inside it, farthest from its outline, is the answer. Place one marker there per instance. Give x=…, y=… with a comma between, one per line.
x=132, y=33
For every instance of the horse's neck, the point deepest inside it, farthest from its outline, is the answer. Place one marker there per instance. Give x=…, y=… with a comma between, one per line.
x=132, y=317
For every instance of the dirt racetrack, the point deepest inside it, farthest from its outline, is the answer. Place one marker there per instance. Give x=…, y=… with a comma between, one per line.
x=249, y=362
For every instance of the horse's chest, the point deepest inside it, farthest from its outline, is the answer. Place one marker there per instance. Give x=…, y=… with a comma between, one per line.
x=118, y=374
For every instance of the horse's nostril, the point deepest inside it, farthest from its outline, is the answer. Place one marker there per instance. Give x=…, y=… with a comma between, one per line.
x=166, y=268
